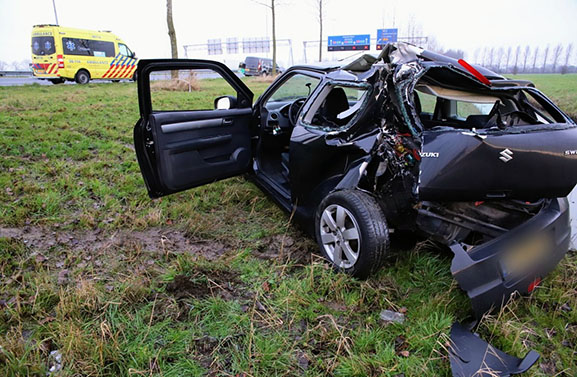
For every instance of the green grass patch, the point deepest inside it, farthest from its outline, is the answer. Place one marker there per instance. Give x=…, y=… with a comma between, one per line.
x=215, y=279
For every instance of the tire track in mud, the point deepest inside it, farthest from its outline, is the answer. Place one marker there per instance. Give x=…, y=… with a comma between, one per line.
x=160, y=240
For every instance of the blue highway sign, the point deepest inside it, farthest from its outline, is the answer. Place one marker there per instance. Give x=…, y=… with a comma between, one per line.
x=385, y=36
x=349, y=42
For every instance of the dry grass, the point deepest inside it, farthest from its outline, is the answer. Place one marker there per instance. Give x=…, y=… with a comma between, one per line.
x=180, y=84
x=265, y=79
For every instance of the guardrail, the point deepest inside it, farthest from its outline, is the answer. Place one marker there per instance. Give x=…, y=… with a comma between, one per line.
x=15, y=73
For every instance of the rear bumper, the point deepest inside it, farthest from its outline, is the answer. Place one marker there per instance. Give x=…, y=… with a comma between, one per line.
x=482, y=274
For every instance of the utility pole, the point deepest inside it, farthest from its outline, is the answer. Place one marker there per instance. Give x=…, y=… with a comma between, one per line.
x=55, y=14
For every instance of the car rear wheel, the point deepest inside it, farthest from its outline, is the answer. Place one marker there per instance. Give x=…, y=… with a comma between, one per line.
x=82, y=77
x=57, y=81
x=352, y=232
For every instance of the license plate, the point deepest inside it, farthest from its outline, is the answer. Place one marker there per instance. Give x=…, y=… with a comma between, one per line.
x=525, y=255
x=41, y=71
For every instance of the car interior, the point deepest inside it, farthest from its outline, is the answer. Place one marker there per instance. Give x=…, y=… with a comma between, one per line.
x=441, y=107
x=332, y=110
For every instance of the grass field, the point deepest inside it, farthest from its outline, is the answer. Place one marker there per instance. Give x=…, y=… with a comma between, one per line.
x=214, y=280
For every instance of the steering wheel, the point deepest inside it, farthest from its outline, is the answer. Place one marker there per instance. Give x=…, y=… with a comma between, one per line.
x=295, y=108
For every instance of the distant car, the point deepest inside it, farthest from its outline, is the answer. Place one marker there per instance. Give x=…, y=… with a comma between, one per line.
x=254, y=66
x=411, y=140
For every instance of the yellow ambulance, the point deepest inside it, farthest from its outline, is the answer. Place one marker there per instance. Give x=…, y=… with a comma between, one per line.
x=60, y=54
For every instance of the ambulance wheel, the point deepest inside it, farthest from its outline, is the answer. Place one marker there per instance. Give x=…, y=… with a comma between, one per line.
x=116, y=81
x=82, y=77
x=57, y=81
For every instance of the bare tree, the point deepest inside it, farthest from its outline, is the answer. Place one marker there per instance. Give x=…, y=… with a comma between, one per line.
x=272, y=6
x=545, y=56
x=516, y=66
x=507, y=59
x=414, y=29
x=19, y=65
x=171, y=35
x=476, y=56
x=526, y=57
x=485, y=56
x=557, y=51
x=433, y=44
x=171, y=31
x=568, y=51
x=3, y=65
x=535, y=57
x=491, y=56
x=320, y=5
x=499, y=58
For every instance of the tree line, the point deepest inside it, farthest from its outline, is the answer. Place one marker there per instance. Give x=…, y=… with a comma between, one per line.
x=527, y=59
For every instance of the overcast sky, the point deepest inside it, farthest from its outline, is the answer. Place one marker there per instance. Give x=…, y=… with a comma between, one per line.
x=465, y=25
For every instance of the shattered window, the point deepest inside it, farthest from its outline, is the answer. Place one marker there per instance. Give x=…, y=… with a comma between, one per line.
x=542, y=111
x=336, y=106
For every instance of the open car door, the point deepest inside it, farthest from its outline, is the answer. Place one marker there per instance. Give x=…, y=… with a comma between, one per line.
x=194, y=125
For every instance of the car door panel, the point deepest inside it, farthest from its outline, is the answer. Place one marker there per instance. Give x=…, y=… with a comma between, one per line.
x=178, y=150
x=206, y=146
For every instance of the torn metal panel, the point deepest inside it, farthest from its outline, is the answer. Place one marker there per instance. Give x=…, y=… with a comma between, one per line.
x=515, y=261
x=400, y=53
x=470, y=356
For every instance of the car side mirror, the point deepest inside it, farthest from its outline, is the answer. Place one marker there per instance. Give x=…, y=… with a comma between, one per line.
x=225, y=103
x=133, y=56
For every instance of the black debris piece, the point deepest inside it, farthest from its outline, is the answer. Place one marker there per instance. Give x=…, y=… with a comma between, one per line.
x=472, y=356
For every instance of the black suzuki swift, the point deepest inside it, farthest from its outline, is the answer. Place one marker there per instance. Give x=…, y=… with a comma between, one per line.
x=409, y=140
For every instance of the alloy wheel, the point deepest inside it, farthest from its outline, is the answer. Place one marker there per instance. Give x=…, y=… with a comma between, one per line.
x=340, y=237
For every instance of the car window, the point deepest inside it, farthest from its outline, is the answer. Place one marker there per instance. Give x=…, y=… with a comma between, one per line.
x=544, y=112
x=427, y=102
x=336, y=106
x=124, y=50
x=43, y=45
x=187, y=90
x=87, y=47
x=297, y=86
x=464, y=109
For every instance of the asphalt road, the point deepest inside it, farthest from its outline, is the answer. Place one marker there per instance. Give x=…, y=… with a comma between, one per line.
x=17, y=81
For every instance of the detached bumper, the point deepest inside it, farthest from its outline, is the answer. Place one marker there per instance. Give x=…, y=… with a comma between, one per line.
x=487, y=273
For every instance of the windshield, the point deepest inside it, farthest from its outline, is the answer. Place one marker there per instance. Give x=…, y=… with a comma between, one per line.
x=43, y=45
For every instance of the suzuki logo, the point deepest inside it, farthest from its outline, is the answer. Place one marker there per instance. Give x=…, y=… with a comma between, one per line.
x=506, y=155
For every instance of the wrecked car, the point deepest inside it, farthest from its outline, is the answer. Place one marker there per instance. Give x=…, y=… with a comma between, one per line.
x=409, y=140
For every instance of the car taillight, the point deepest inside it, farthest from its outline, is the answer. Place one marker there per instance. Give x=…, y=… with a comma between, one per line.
x=60, y=59
x=259, y=66
x=534, y=285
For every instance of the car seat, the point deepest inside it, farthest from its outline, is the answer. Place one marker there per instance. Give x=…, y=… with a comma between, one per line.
x=335, y=103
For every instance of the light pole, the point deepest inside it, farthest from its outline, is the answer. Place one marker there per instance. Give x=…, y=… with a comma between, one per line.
x=55, y=14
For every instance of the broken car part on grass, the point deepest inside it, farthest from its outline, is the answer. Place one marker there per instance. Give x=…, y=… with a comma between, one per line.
x=411, y=140
x=471, y=356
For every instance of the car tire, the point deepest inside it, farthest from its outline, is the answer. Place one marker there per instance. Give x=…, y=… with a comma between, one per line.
x=352, y=232
x=57, y=81
x=82, y=77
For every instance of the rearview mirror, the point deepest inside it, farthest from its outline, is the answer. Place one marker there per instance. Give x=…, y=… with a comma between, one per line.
x=225, y=103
